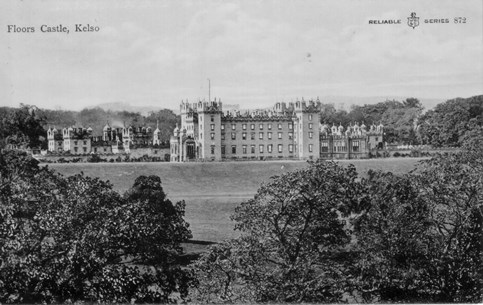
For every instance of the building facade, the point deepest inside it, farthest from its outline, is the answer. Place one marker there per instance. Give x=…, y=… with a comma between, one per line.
x=355, y=142
x=290, y=131
x=114, y=140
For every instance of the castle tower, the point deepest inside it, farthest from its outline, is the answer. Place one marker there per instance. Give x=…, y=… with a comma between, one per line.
x=307, y=129
x=209, y=130
x=174, y=144
x=51, y=137
x=106, y=132
x=157, y=134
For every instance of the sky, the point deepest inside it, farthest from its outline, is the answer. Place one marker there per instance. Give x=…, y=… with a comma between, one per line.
x=255, y=53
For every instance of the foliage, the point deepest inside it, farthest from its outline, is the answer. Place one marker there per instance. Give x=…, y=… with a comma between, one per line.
x=449, y=122
x=420, y=240
x=22, y=127
x=293, y=246
x=75, y=239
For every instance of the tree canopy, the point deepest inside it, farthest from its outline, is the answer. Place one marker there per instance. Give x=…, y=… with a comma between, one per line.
x=75, y=239
x=449, y=122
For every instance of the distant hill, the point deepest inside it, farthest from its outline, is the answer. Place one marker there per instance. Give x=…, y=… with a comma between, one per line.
x=345, y=102
x=123, y=106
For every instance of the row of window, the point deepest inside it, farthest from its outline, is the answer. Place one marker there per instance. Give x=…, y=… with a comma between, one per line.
x=260, y=126
x=339, y=146
x=252, y=135
x=261, y=149
x=212, y=118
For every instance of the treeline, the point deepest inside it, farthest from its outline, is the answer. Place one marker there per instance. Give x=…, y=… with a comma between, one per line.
x=321, y=234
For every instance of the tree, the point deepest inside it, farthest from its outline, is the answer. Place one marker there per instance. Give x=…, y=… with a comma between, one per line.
x=448, y=123
x=293, y=244
x=76, y=239
x=24, y=127
x=420, y=238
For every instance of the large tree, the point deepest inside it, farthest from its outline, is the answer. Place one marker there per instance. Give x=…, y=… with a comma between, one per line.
x=420, y=239
x=449, y=122
x=293, y=241
x=24, y=127
x=76, y=239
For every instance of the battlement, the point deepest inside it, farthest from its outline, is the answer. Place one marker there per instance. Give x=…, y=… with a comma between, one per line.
x=201, y=106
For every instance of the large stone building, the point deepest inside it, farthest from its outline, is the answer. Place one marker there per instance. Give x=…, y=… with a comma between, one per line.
x=284, y=132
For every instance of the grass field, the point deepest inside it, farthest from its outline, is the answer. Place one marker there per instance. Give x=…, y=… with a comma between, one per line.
x=212, y=190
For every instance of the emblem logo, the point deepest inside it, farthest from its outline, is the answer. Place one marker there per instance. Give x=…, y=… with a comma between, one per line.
x=413, y=21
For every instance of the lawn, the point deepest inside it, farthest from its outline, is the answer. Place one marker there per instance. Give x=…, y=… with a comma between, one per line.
x=213, y=190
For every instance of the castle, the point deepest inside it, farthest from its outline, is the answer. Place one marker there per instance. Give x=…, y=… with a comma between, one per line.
x=284, y=132
x=78, y=140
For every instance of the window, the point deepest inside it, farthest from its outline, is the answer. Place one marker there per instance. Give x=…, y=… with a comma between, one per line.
x=84, y=149
x=75, y=142
x=252, y=126
x=233, y=126
x=311, y=147
x=269, y=126
x=244, y=149
x=212, y=119
x=290, y=148
x=260, y=126
x=324, y=146
x=260, y=136
x=244, y=126
x=201, y=135
x=244, y=136
x=212, y=149
x=310, y=117
x=252, y=136
x=223, y=136
x=260, y=148
x=290, y=126
x=280, y=148
x=233, y=135
x=269, y=148
x=279, y=135
x=212, y=126
x=222, y=126
x=311, y=125
x=212, y=135
x=75, y=149
x=311, y=135
x=355, y=146
x=85, y=142
x=269, y=135
x=279, y=126
x=223, y=149
x=290, y=135
x=233, y=149
x=252, y=149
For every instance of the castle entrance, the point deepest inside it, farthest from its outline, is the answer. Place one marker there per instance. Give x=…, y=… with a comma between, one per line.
x=190, y=150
